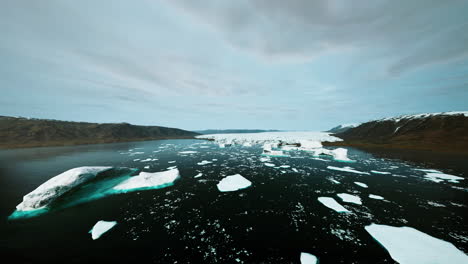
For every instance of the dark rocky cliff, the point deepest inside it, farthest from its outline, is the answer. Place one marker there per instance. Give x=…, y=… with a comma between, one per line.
x=23, y=132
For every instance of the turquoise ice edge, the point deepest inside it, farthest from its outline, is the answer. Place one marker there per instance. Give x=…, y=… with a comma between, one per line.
x=85, y=193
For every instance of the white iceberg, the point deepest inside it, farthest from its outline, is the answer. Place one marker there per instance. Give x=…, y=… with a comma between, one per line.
x=348, y=198
x=188, y=152
x=307, y=258
x=100, y=228
x=198, y=175
x=377, y=197
x=269, y=164
x=407, y=245
x=380, y=172
x=233, y=183
x=440, y=177
x=149, y=180
x=57, y=186
x=204, y=162
x=332, y=204
x=363, y=185
x=310, y=144
x=346, y=169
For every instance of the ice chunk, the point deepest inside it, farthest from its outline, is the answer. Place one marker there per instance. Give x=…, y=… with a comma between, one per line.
x=149, y=180
x=341, y=154
x=363, y=185
x=332, y=204
x=204, y=162
x=380, y=172
x=409, y=245
x=57, y=186
x=198, y=175
x=334, y=181
x=348, y=198
x=264, y=159
x=284, y=166
x=233, y=183
x=307, y=258
x=100, y=228
x=310, y=144
x=269, y=164
x=377, y=197
x=440, y=177
x=188, y=152
x=346, y=169
x=172, y=161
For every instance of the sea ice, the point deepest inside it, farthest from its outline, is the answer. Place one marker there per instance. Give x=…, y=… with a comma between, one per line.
x=380, y=172
x=149, y=180
x=57, y=186
x=204, y=162
x=348, y=198
x=440, y=177
x=100, y=228
x=307, y=258
x=188, y=152
x=407, y=245
x=363, y=185
x=332, y=204
x=377, y=197
x=310, y=144
x=233, y=183
x=269, y=164
x=346, y=169
x=198, y=175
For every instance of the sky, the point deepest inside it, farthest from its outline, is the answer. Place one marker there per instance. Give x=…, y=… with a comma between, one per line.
x=266, y=64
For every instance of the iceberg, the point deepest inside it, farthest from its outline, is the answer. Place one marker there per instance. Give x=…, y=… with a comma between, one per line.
x=188, y=152
x=149, y=180
x=407, y=245
x=346, y=169
x=332, y=204
x=363, y=185
x=348, y=198
x=233, y=183
x=55, y=187
x=204, y=162
x=198, y=175
x=440, y=177
x=307, y=258
x=380, y=172
x=100, y=228
x=377, y=197
x=310, y=144
x=269, y=164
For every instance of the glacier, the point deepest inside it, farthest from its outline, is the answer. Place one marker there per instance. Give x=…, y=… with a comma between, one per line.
x=407, y=245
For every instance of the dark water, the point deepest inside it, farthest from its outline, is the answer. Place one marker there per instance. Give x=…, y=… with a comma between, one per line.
x=273, y=221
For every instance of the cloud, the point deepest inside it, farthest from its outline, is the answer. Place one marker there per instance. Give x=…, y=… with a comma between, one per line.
x=408, y=33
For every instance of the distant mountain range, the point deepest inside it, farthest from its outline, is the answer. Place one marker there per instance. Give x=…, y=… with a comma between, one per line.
x=24, y=132
x=232, y=131
x=443, y=132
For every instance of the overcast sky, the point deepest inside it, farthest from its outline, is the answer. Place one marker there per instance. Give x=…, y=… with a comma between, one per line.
x=273, y=64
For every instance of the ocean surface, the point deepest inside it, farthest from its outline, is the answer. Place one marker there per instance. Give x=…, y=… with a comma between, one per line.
x=273, y=221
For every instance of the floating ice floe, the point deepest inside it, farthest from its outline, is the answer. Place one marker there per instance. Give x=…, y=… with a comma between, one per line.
x=380, y=172
x=407, y=245
x=377, y=197
x=334, y=181
x=269, y=164
x=188, y=152
x=57, y=186
x=346, y=169
x=307, y=258
x=348, y=198
x=440, y=177
x=233, y=183
x=262, y=159
x=147, y=167
x=146, y=160
x=363, y=185
x=332, y=204
x=198, y=175
x=284, y=166
x=204, y=162
x=100, y=228
x=149, y=180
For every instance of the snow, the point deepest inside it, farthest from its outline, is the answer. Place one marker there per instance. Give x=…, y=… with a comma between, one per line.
x=149, y=180
x=346, y=169
x=380, y=172
x=363, y=185
x=57, y=186
x=270, y=137
x=409, y=245
x=424, y=115
x=100, y=228
x=377, y=197
x=332, y=204
x=307, y=258
x=348, y=198
x=440, y=177
x=233, y=183
x=204, y=162
x=188, y=152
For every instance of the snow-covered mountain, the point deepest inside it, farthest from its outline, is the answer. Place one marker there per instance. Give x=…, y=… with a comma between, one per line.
x=342, y=128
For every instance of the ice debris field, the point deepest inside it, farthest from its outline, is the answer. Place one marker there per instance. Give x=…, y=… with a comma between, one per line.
x=287, y=175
